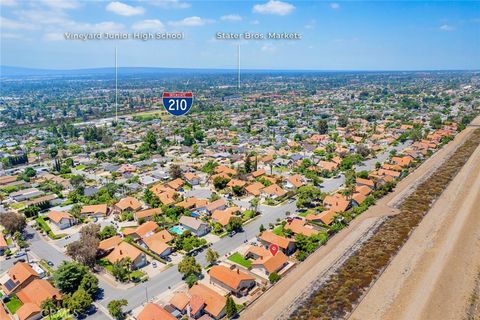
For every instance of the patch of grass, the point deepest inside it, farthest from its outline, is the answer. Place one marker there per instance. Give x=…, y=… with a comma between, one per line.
x=106, y=264
x=237, y=258
x=80, y=167
x=14, y=304
x=279, y=231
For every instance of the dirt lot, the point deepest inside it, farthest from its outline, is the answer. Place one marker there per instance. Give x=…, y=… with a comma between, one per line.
x=283, y=297
x=433, y=276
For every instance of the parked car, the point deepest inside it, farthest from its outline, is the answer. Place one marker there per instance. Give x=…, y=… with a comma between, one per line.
x=50, y=263
x=232, y=233
x=19, y=254
x=154, y=264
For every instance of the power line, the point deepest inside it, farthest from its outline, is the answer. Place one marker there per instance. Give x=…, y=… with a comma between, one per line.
x=116, y=86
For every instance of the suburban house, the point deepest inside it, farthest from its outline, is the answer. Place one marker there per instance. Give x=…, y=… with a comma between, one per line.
x=153, y=311
x=6, y=180
x=17, y=277
x=147, y=215
x=107, y=245
x=219, y=204
x=237, y=282
x=25, y=194
x=61, y=219
x=298, y=226
x=224, y=216
x=125, y=250
x=336, y=202
x=294, y=182
x=265, y=261
x=204, y=300
x=192, y=178
x=157, y=243
x=273, y=191
x=180, y=301
x=142, y=231
x=96, y=210
x=285, y=244
x=127, y=204
x=32, y=297
x=255, y=188
x=196, y=226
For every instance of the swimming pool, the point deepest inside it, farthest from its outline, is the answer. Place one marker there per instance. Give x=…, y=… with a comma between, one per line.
x=195, y=214
x=177, y=230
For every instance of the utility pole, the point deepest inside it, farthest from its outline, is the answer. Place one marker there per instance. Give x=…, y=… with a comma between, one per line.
x=116, y=86
x=238, y=66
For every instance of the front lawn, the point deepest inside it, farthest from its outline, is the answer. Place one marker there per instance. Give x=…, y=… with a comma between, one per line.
x=279, y=231
x=237, y=258
x=106, y=264
x=14, y=304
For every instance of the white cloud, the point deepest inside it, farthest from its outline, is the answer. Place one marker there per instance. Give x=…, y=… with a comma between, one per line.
x=190, y=22
x=170, y=4
x=8, y=3
x=254, y=22
x=231, y=17
x=148, y=24
x=274, y=7
x=334, y=5
x=61, y=4
x=6, y=23
x=446, y=27
x=123, y=9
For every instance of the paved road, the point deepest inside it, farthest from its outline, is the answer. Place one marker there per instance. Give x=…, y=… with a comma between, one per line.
x=330, y=185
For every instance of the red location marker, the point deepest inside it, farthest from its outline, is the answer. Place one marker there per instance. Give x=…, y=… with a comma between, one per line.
x=273, y=249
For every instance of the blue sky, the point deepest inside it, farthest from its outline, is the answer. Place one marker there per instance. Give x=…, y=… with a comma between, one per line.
x=353, y=35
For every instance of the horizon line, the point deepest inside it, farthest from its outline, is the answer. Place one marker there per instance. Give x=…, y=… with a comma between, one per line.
x=233, y=69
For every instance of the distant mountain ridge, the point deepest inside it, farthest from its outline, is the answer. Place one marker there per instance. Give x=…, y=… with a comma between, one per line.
x=6, y=71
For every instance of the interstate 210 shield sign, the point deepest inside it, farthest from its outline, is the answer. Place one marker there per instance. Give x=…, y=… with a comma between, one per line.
x=177, y=103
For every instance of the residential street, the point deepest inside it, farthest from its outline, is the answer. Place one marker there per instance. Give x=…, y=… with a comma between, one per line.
x=169, y=277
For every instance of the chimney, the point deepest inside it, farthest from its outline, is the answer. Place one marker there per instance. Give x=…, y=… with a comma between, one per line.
x=121, y=252
x=14, y=277
x=238, y=271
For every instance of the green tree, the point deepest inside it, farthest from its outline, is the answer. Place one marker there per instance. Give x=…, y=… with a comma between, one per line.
x=115, y=308
x=69, y=275
x=342, y=121
x=235, y=224
x=78, y=303
x=49, y=306
x=89, y=283
x=230, y=308
x=150, y=141
x=107, y=232
x=175, y=171
x=212, y=256
x=121, y=269
x=189, y=266
x=322, y=126
x=273, y=277
x=248, y=164
x=220, y=182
